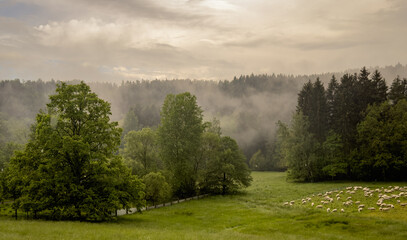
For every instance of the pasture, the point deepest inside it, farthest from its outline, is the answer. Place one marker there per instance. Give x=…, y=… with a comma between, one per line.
x=258, y=213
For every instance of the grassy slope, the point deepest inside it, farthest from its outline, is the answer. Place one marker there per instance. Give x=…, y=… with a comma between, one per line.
x=258, y=214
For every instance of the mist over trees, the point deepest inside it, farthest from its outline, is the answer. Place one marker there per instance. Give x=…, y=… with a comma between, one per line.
x=247, y=106
x=72, y=168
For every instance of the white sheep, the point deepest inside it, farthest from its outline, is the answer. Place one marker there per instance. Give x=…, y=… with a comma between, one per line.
x=342, y=210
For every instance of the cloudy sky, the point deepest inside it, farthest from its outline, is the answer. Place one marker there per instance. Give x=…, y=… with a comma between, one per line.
x=104, y=40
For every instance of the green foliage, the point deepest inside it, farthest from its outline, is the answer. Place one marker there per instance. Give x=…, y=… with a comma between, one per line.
x=334, y=156
x=157, y=188
x=228, y=171
x=382, y=151
x=140, y=147
x=312, y=102
x=68, y=168
x=302, y=151
x=180, y=138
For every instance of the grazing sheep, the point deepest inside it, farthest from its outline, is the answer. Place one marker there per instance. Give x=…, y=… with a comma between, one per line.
x=348, y=198
x=312, y=204
x=360, y=209
x=403, y=204
x=371, y=208
x=357, y=202
x=286, y=203
x=342, y=210
x=328, y=209
x=338, y=198
x=384, y=209
x=361, y=206
x=319, y=206
x=292, y=202
x=334, y=210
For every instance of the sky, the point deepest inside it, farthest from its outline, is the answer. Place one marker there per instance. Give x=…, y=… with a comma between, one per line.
x=104, y=40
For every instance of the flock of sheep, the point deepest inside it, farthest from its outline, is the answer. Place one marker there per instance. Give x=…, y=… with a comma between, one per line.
x=356, y=198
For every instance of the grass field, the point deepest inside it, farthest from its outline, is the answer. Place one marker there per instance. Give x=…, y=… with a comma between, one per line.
x=258, y=213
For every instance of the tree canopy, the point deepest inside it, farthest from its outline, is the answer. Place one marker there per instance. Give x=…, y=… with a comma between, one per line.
x=68, y=167
x=180, y=138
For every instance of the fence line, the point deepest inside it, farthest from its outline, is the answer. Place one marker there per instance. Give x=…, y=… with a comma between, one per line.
x=122, y=212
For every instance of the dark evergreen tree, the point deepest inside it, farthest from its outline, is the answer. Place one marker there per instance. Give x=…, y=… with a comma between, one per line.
x=332, y=108
x=398, y=90
x=312, y=102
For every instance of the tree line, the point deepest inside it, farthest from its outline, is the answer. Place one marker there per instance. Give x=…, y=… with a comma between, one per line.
x=353, y=129
x=245, y=105
x=71, y=167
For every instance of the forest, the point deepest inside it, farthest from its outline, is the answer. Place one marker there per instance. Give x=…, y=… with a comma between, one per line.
x=65, y=153
x=354, y=129
x=72, y=168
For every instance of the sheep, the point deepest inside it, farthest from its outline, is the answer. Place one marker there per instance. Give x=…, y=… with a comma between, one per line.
x=371, y=208
x=319, y=206
x=338, y=198
x=403, y=204
x=361, y=206
x=328, y=209
x=334, y=210
x=342, y=210
x=348, y=198
x=360, y=209
x=286, y=203
x=384, y=209
x=357, y=202
x=312, y=204
x=292, y=202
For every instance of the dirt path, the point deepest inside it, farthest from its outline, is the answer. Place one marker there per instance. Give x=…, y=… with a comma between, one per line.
x=122, y=212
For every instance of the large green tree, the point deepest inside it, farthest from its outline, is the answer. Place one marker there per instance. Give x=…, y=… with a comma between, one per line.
x=180, y=138
x=68, y=168
x=228, y=171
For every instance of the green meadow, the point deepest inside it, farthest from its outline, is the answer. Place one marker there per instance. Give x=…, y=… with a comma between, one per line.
x=256, y=213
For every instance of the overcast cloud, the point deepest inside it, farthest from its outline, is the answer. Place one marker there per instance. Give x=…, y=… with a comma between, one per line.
x=103, y=40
